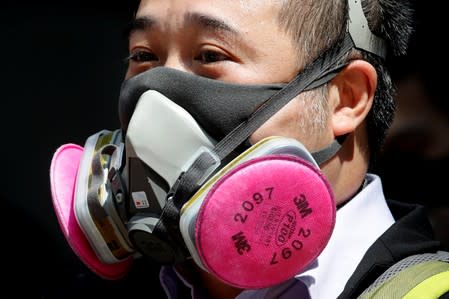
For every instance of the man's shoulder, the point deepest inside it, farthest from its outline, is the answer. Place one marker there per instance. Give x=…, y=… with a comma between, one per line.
x=422, y=275
x=411, y=234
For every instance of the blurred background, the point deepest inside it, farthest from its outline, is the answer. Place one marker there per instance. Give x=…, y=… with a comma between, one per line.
x=415, y=160
x=61, y=70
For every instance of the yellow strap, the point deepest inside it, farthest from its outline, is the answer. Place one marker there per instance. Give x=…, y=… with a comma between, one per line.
x=399, y=285
x=432, y=287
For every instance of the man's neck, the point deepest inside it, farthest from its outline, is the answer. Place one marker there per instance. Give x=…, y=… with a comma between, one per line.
x=215, y=288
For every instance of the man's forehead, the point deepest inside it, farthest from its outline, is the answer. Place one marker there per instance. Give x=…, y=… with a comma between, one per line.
x=257, y=16
x=242, y=5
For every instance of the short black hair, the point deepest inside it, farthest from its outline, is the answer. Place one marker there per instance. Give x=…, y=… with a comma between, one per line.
x=325, y=23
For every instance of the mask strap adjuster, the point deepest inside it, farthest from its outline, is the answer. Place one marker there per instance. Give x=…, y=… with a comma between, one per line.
x=328, y=152
x=181, y=191
x=360, y=33
x=119, y=192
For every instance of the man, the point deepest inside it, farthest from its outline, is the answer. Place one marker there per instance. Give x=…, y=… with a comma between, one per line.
x=261, y=42
x=348, y=99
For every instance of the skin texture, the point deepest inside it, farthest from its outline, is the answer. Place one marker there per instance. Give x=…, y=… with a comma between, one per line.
x=241, y=42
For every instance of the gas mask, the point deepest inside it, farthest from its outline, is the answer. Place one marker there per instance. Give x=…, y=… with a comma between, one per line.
x=179, y=180
x=268, y=207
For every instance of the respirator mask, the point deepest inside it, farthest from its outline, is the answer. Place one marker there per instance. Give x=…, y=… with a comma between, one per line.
x=179, y=180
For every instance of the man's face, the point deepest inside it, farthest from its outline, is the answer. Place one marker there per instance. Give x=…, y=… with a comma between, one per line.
x=236, y=41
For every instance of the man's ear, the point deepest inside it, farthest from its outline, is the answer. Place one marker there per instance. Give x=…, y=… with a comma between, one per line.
x=352, y=92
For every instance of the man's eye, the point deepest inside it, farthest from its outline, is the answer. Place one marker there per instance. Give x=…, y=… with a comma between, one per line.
x=142, y=56
x=211, y=57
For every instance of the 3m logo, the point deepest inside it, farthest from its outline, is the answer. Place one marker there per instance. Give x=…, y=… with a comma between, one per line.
x=241, y=243
x=302, y=205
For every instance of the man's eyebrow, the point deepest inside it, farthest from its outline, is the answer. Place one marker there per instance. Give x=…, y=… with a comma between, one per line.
x=140, y=23
x=209, y=23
